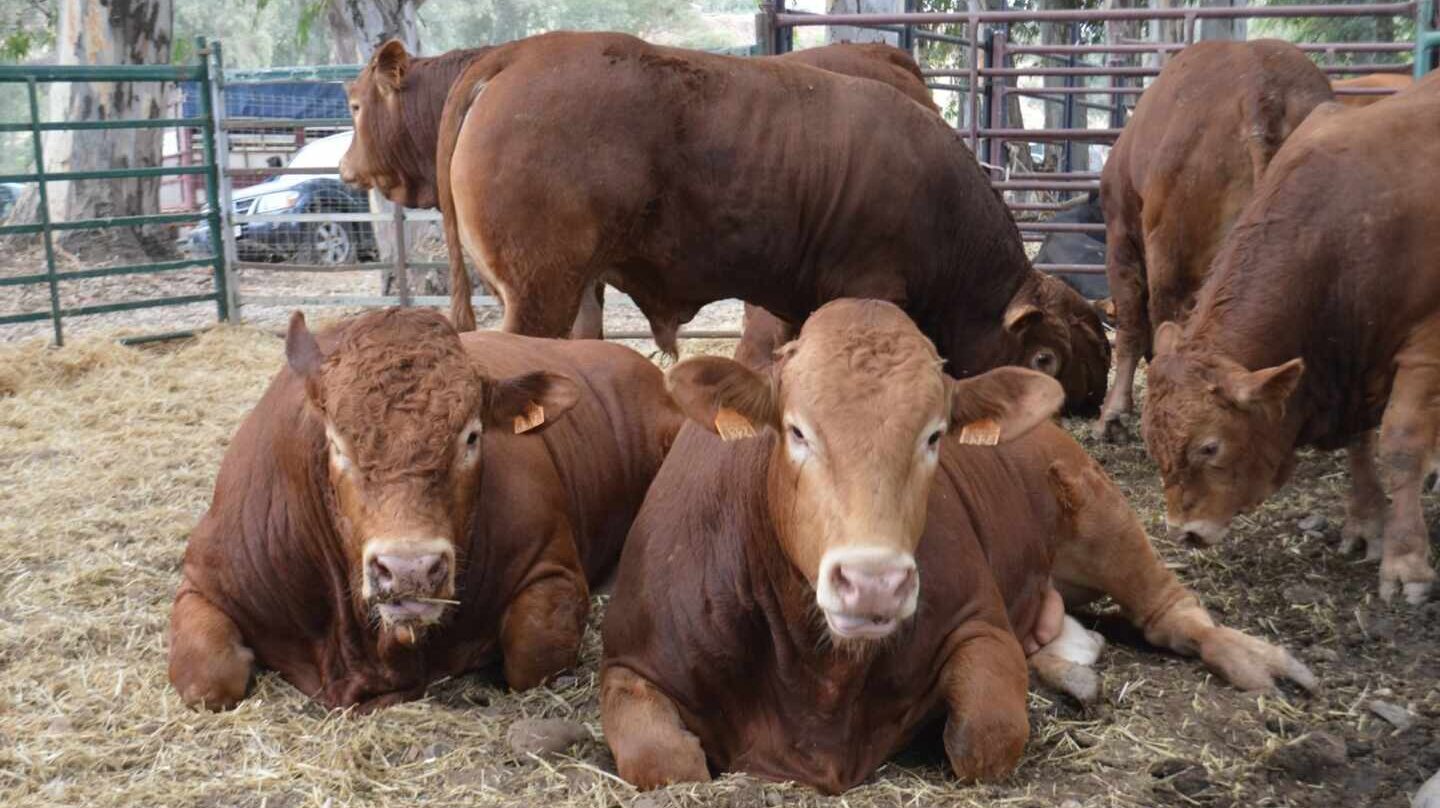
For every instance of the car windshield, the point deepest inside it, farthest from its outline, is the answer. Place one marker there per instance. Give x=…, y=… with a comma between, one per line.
x=323, y=153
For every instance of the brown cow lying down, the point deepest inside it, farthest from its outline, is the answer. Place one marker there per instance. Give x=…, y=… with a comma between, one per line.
x=1061, y=333
x=1394, y=82
x=685, y=178
x=1320, y=320
x=380, y=521
x=1180, y=174
x=801, y=602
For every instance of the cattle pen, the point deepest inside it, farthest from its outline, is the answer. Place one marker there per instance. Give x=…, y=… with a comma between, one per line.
x=109, y=450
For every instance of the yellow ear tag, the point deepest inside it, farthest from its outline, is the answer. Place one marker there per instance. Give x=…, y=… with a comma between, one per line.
x=732, y=425
x=984, y=432
x=533, y=416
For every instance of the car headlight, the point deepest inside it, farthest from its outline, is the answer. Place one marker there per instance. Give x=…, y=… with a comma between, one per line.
x=270, y=203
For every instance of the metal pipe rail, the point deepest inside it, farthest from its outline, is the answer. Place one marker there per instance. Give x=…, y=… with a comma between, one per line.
x=46, y=228
x=792, y=19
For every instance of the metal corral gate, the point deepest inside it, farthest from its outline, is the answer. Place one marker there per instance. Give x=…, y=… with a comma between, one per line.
x=990, y=75
x=46, y=228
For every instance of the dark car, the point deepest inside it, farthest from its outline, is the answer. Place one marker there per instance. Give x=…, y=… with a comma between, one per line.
x=9, y=195
x=322, y=242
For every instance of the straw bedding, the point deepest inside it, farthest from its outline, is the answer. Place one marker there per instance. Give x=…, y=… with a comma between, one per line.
x=107, y=455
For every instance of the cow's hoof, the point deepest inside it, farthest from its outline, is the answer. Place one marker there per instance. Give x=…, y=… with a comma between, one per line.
x=1367, y=533
x=1408, y=575
x=1112, y=429
x=1252, y=664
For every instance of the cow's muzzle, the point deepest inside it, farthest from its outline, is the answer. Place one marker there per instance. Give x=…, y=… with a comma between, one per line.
x=1198, y=532
x=409, y=582
x=866, y=593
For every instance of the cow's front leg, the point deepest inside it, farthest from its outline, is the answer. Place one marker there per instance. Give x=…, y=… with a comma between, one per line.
x=210, y=665
x=649, y=740
x=541, y=629
x=984, y=683
x=1407, y=438
x=1365, y=514
x=1105, y=550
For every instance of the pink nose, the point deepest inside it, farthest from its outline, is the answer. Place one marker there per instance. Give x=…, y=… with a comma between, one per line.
x=874, y=588
x=398, y=574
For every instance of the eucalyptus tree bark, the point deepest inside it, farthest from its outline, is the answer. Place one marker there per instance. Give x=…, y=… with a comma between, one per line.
x=358, y=27
x=1233, y=28
x=845, y=33
x=106, y=32
x=1060, y=33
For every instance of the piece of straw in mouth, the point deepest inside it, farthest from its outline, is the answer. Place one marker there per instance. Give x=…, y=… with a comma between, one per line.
x=444, y=601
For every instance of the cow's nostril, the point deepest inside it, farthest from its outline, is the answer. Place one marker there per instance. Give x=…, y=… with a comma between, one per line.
x=844, y=587
x=439, y=572
x=381, y=575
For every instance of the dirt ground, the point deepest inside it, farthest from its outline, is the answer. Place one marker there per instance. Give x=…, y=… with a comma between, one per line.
x=107, y=456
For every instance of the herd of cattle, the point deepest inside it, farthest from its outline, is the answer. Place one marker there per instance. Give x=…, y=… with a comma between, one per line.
x=866, y=524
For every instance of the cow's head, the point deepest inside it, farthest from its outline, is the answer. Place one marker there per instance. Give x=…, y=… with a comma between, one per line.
x=381, y=154
x=859, y=408
x=1061, y=335
x=1217, y=431
x=404, y=409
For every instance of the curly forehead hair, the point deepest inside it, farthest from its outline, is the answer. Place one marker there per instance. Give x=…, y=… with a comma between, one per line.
x=875, y=342
x=399, y=387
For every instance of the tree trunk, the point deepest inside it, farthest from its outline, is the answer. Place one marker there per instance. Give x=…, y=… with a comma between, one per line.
x=1059, y=33
x=845, y=33
x=358, y=27
x=107, y=32
x=1223, y=29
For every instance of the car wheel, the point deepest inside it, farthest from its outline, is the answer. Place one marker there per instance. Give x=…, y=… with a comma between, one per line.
x=331, y=244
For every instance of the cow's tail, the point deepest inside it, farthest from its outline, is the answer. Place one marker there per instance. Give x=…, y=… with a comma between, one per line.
x=457, y=104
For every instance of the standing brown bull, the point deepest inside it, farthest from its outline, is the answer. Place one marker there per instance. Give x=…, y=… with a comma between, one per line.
x=1320, y=320
x=1180, y=174
x=403, y=506
x=801, y=601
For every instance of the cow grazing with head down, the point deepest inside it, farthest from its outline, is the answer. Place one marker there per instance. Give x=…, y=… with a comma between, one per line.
x=1313, y=329
x=1180, y=174
x=405, y=505
x=856, y=562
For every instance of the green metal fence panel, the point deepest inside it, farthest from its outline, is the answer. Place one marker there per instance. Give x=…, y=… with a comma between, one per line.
x=1427, y=38
x=204, y=125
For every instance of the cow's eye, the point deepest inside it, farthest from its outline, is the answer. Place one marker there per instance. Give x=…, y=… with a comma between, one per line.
x=472, y=439
x=1209, y=449
x=796, y=435
x=354, y=108
x=934, y=439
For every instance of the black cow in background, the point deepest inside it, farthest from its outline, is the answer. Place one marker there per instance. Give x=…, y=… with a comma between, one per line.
x=1079, y=248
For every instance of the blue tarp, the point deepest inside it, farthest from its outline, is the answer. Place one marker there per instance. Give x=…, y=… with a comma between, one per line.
x=290, y=99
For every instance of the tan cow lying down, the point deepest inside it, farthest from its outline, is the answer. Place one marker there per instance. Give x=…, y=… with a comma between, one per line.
x=1394, y=82
x=380, y=521
x=1321, y=319
x=800, y=602
x=1180, y=174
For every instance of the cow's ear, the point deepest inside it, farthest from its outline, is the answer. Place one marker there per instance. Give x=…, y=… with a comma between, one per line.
x=1021, y=317
x=1264, y=387
x=302, y=352
x=1105, y=307
x=1167, y=338
x=530, y=402
x=723, y=396
x=390, y=63
x=1002, y=405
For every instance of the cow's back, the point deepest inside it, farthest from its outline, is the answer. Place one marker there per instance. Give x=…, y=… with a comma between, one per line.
x=871, y=60
x=1189, y=158
x=1335, y=258
x=609, y=446
x=724, y=177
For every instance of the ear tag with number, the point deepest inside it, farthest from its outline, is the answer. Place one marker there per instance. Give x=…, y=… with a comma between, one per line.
x=984, y=432
x=731, y=425
x=533, y=416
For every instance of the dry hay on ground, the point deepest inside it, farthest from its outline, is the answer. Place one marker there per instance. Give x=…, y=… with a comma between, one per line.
x=107, y=455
